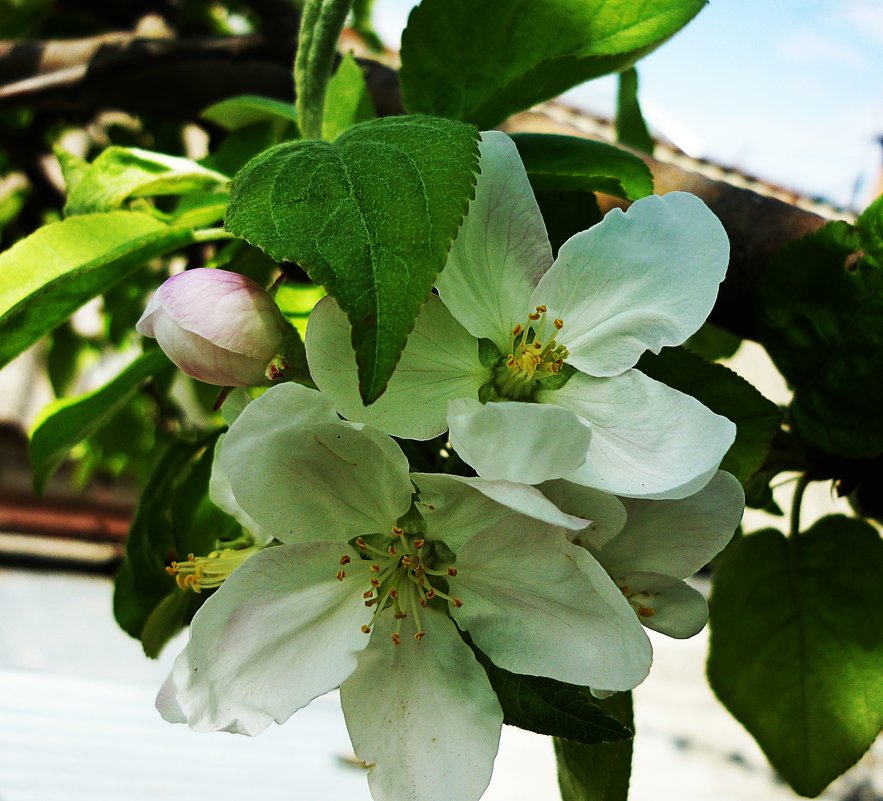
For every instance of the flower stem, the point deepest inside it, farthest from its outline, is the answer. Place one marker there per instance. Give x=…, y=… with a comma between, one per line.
x=802, y=483
x=320, y=26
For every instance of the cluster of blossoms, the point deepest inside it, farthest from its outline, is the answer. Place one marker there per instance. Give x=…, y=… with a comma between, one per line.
x=597, y=490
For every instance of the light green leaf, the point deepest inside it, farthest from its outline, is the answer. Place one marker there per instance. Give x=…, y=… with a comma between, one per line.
x=297, y=301
x=68, y=421
x=797, y=645
x=598, y=772
x=119, y=173
x=47, y=276
x=631, y=130
x=726, y=393
x=568, y=163
x=244, y=110
x=482, y=62
x=819, y=317
x=869, y=227
x=371, y=218
x=347, y=101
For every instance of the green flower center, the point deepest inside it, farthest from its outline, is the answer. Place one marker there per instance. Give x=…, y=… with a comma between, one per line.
x=531, y=358
x=404, y=578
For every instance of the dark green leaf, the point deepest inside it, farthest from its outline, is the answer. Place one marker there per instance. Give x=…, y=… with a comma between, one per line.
x=724, y=392
x=568, y=163
x=67, y=421
x=347, y=101
x=119, y=173
x=50, y=274
x=370, y=217
x=598, y=772
x=566, y=214
x=143, y=583
x=713, y=343
x=552, y=707
x=169, y=616
x=482, y=62
x=797, y=645
x=631, y=130
x=241, y=145
x=820, y=318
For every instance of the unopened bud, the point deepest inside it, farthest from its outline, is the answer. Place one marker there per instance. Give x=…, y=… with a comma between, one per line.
x=217, y=326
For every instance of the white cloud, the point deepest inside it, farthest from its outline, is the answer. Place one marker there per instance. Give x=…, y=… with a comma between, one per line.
x=866, y=16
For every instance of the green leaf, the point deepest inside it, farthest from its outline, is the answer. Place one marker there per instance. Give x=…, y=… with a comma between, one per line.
x=143, y=583
x=819, y=318
x=47, y=276
x=347, y=101
x=552, y=707
x=296, y=301
x=869, y=227
x=566, y=214
x=598, y=772
x=482, y=62
x=169, y=616
x=713, y=343
x=73, y=168
x=568, y=163
x=797, y=645
x=726, y=393
x=119, y=173
x=244, y=110
x=67, y=421
x=631, y=129
x=371, y=218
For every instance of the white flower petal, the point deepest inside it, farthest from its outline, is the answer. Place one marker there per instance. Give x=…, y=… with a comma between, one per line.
x=648, y=440
x=605, y=512
x=501, y=250
x=455, y=507
x=638, y=280
x=167, y=702
x=536, y=604
x=221, y=494
x=679, y=610
x=281, y=631
x=422, y=714
x=513, y=441
x=678, y=537
x=304, y=482
x=440, y=362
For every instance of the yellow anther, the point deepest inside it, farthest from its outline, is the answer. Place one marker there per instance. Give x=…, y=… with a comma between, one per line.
x=537, y=345
x=517, y=330
x=423, y=602
x=406, y=561
x=400, y=615
x=452, y=571
x=375, y=582
x=200, y=573
x=366, y=629
x=457, y=602
x=533, y=316
x=396, y=639
x=392, y=550
x=341, y=575
x=542, y=308
x=558, y=323
x=361, y=542
x=419, y=543
x=374, y=568
x=398, y=531
x=393, y=593
x=344, y=560
x=368, y=594
x=419, y=635
x=646, y=611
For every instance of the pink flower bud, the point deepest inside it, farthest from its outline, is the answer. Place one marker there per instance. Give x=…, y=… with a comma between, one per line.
x=217, y=326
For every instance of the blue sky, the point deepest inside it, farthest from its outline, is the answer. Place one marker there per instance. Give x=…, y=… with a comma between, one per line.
x=788, y=90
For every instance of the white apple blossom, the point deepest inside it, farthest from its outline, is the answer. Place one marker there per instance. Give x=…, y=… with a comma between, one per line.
x=530, y=363
x=377, y=570
x=648, y=547
x=217, y=326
